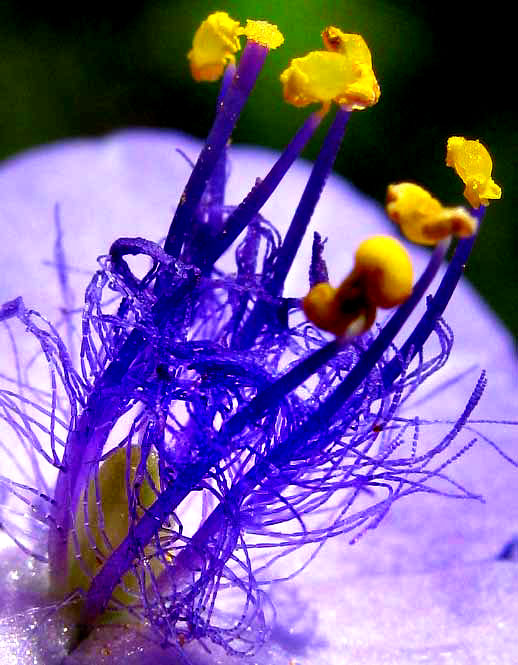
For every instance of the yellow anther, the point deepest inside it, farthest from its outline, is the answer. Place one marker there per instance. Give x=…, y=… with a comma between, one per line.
x=322, y=76
x=263, y=33
x=213, y=46
x=383, y=265
x=422, y=218
x=473, y=165
x=342, y=74
x=381, y=277
x=318, y=307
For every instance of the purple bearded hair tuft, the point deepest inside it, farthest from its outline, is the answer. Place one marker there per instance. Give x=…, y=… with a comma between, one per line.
x=211, y=441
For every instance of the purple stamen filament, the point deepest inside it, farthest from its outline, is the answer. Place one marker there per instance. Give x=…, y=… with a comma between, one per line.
x=435, y=308
x=257, y=197
x=299, y=224
x=250, y=65
x=215, y=191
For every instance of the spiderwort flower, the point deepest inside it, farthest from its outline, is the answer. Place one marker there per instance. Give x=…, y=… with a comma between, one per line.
x=243, y=437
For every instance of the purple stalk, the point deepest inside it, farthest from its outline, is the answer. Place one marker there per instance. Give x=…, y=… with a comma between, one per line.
x=215, y=191
x=257, y=197
x=310, y=197
x=299, y=224
x=120, y=561
x=436, y=306
x=230, y=108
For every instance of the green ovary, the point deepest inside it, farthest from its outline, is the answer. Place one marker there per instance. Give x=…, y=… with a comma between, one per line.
x=109, y=531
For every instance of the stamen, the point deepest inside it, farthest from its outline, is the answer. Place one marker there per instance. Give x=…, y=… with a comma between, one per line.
x=274, y=283
x=230, y=109
x=380, y=344
x=435, y=307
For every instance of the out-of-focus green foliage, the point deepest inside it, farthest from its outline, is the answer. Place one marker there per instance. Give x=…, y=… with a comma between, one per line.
x=443, y=71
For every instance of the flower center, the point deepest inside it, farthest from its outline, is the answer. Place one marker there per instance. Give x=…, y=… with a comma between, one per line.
x=211, y=419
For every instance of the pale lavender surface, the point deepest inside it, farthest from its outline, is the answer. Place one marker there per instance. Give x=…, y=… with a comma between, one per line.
x=424, y=587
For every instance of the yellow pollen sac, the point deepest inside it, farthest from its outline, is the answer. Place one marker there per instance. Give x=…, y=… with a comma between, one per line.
x=213, y=46
x=324, y=76
x=342, y=74
x=382, y=277
x=355, y=49
x=263, y=33
x=472, y=163
x=422, y=218
x=384, y=266
x=318, y=307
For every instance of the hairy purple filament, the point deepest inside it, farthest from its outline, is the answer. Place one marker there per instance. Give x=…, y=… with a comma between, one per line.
x=71, y=481
x=121, y=559
x=262, y=453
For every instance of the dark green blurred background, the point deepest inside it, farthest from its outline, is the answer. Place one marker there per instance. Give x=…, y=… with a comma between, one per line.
x=443, y=70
